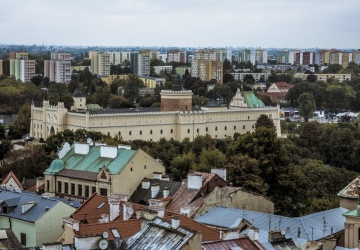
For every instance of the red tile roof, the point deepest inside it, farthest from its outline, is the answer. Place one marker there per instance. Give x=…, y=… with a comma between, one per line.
x=12, y=175
x=89, y=215
x=274, y=96
x=283, y=85
x=244, y=242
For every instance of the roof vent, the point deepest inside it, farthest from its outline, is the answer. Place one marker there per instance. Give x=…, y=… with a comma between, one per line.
x=108, y=152
x=82, y=148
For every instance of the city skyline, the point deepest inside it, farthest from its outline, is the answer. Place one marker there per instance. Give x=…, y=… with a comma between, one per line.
x=229, y=23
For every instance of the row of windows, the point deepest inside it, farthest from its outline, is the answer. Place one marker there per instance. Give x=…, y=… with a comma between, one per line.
x=81, y=191
x=197, y=130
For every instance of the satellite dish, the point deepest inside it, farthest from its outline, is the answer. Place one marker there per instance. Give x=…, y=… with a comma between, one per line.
x=105, y=235
x=130, y=211
x=103, y=244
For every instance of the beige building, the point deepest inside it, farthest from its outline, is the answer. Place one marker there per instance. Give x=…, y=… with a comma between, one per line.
x=1, y=68
x=257, y=76
x=152, y=82
x=325, y=77
x=176, y=119
x=82, y=170
x=21, y=67
x=100, y=63
x=58, y=68
x=207, y=70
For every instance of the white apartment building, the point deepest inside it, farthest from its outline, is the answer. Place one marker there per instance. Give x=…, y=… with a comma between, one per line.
x=257, y=76
x=143, y=64
x=58, y=68
x=167, y=69
x=27, y=70
x=115, y=57
x=100, y=63
x=21, y=67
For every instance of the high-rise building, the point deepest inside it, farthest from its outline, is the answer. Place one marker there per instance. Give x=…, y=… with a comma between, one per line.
x=210, y=54
x=1, y=68
x=356, y=56
x=100, y=63
x=207, y=70
x=140, y=63
x=115, y=57
x=176, y=56
x=20, y=67
x=58, y=69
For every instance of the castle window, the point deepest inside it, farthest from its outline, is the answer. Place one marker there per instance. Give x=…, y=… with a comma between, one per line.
x=225, y=128
x=253, y=126
x=103, y=191
x=244, y=127
x=48, y=185
x=234, y=127
x=186, y=107
x=66, y=187
x=80, y=100
x=86, y=191
x=140, y=132
x=197, y=130
x=93, y=190
x=79, y=190
x=161, y=132
x=130, y=133
x=73, y=188
x=248, y=117
x=144, y=166
x=188, y=131
x=150, y=132
x=171, y=131
x=215, y=128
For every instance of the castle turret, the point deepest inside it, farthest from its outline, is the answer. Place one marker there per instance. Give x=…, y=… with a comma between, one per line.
x=176, y=100
x=79, y=100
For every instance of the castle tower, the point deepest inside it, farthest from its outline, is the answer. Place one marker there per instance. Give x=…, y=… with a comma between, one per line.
x=176, y=100
x=79, y=100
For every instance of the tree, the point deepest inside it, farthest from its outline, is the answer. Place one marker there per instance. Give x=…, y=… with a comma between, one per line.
x=307, y=105
x=132, y=86
x=210, y=158
x=311, y=78
x=37, y=80
x=21, y=125
x=5, y=147
x=181, y=165
x=102, y=96
x=264, y=121
x=227, y=65
x=117, y=102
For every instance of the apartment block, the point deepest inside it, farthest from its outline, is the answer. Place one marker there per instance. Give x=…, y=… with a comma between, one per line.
x=20, y=67
x=58, y=69
x=210, y=54
x=1, y=68
x=326, y=77
x=257, y=76
x=100, y=63
x=176, y=56
x=165, y=68
x=207, y=70
x=140, y=63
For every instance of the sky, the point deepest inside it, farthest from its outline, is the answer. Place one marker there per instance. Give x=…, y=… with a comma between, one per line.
x=182, y=23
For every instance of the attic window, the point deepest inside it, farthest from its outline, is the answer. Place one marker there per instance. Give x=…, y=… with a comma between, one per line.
x=101, y=205
x=115, y=233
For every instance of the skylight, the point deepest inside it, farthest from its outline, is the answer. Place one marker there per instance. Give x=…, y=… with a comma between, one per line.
x=115, y=233
x=101, y=205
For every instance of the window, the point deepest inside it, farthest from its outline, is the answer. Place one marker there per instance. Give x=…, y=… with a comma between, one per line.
x=59, y=187
x=248, y=117
x=73, y=188
x=215, y=128
x=79, y=190
x=130, y=133
x=93, y=190
x=188, y=131
x=161, y=131
x=234, y=127
x=66, y=187
x=197, y=130
x=150, y=132
x=206, y=129
x=103, y=191
x=4, y=209
x=115, y=233
x=171, y=131
x=86, y=191
x=23, y=239
x=244, y=127
x=225, y=128
x=144, y=166
x=140, y=132
x=48, y=185
x=101, y=205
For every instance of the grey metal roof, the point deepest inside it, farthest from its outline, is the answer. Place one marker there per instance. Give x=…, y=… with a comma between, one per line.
x=312, y=227
x=76, y=174
x=142, y=195
x=158, y=235
x=42, y=205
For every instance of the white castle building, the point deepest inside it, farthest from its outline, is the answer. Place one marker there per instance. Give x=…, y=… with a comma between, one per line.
x=176, y=118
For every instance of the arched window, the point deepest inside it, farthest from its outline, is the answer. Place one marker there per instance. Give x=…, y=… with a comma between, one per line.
x=130, y=133
x=215, y=128
x=197, y=130
x=248, y=117
x=150, y=132
x=244, y=127
x=234, y=127
x=140, y=132
x=171, y=131
x=225, y=128
x=188, y=131
x=207, y=129
x=161, y=131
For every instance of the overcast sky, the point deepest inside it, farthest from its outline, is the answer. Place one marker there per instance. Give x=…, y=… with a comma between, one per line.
x=183, y=23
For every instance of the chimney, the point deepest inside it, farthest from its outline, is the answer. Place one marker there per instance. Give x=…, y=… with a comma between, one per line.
x=155, y=188
x=175, y=223
x=127, y=211
x=221, y=172
x=82, y=148
x=276, y=236
x=114, y=207
x=194, y=181
x=108, y=152
x=253, y=233
x=166, y=192
x=122, y=197
x=165, y=178
x=157, y=175
x=76, y=225
x=145, y=184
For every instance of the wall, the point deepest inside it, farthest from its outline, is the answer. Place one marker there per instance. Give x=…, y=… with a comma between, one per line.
x=239, y=199
x=48, y=227
x=28, y=228
x=348, y=203
x=134, y=172
x=194, y=243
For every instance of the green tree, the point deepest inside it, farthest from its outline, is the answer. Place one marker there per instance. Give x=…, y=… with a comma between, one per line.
x=181, y=165
x=311, y=78
x=21, y=125
x=132, y=86
x=264, y=121
x=117, y=102
x=5, y=147
x=210, y=158
x=307, y=105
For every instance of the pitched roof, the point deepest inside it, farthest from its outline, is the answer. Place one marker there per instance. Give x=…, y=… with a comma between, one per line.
x=351, y=190
x=92, y=161
x=11, y=176
x=274, y=96
x=185, y=197
x=251, y=100
x=313, y=226
x=243, y=242
x=160, y=235
x=75, y=174
x=8, y=240
x=283, y=85
x=144, y=194
x=90, y=211
x=16, y=199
